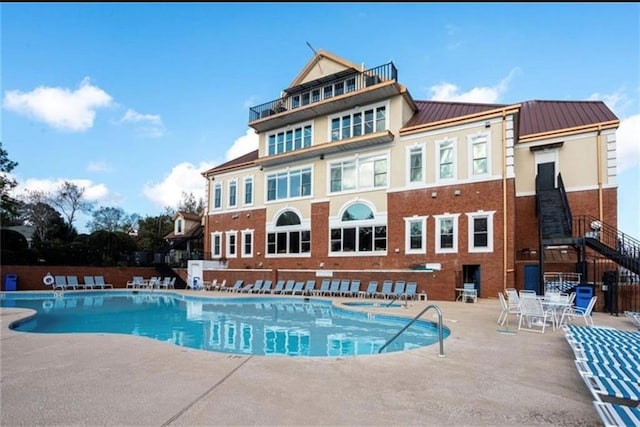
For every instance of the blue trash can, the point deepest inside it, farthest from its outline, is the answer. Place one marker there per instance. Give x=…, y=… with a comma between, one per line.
x=10, y=282
x=583, y=295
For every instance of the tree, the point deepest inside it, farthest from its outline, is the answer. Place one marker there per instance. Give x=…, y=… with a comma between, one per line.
x=188, y=204
x=37, y=213
x=152, y=229
x=8, y=205
x=113, y=219
x=69, y=198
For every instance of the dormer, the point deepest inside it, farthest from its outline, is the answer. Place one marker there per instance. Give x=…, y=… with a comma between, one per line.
x=326, y=85
x=184, y=223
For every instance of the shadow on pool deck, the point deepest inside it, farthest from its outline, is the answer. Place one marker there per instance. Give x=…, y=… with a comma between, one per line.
x=486, y=378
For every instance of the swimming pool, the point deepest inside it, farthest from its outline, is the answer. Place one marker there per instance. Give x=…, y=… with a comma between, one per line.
x=267, y=326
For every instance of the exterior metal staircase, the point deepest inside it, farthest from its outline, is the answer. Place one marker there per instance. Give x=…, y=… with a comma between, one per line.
x=166, y=271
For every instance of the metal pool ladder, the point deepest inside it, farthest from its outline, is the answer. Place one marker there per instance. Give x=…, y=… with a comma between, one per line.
x=440, y=334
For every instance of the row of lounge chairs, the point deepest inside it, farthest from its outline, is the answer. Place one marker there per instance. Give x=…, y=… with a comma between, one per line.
x=609, y=362
x=64, y=283
x=156, y=282
x=328, y=287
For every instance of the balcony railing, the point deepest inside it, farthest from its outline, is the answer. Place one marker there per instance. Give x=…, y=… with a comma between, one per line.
x=323, y=89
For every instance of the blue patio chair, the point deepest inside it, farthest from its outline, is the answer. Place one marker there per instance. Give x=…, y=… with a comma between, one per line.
x=89, y=283
x=611, y=387
x=344, y=287
x=354, y=288
x=60, y=283
x=72, y=282
x=324, y=287
x=298, y=288
x=279, y=287
x=410, y=291
x=398, y=290
x=288, y=287
x=309, y=287
x=99, y=281
x=257, y=287
x=613, y=414
x=334, y=289
x=266, y=287
x=236, y=287
x=384, y=293
x=372, y=288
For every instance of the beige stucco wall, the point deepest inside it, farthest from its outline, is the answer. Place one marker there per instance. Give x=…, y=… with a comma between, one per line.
x=323, y=67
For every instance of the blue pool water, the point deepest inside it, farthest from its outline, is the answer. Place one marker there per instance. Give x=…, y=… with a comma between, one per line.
x=259, y=326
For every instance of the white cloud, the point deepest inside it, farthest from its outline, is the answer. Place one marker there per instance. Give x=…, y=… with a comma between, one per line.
x=99, y=166
x=628, y=143
x=488, y=94
x=61, y=108
x=184, y=177
x=617, y=101
x=243, y=145
x=147, y=124
x=93, y=192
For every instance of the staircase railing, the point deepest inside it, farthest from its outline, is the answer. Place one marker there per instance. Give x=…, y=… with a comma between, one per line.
x=565, y=204
x=440, y=333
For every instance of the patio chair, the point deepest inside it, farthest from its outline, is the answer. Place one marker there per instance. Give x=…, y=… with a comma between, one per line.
x=266, y=287
x=410, y=291
x=386, y=289
x=88, y=282
x=535, y=315
x=610, y=387
x=617, y=372
x=506, y=309
x=634, y=316
x=223, y=286
x=344, y=287
x=278, y=287
x=616, y=415
x=135, y=282
x=257, y=287
x=72, y=281
x=324, y=287
x=60, y=283
x=354, y=288
x=166, y=282
x=288, y=287
x=236, y=286
x=309, y=287
x=398, y=289
x=99, y=281
x=334, y=289
x=372, y=288
x=298, y=288
x=572, y=312
x=469, y=292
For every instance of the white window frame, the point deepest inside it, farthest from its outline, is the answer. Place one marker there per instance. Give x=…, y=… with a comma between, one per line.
x=358, y=162
x=289, y=172
x=379, y=220
x=216, y=235
x=423, y=152
x=454, y=166
x=422, y=220
x=245, y=253
x=245, y=181
x=438, y=237
x=471, y=229
x=217, y=186
x=232, y=185
x=228, y=235
x=351, y=113
x=471, y=141
x=179, y=226
x=284, y=131
x=304, y=226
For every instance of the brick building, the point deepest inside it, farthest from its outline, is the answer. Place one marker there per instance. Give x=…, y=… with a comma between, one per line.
x=354, y=178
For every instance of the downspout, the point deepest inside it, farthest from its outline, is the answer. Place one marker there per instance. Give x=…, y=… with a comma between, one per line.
x=599, y=168
x=504, y=202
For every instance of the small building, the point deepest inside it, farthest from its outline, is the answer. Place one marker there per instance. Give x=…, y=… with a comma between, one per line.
x=186, y=239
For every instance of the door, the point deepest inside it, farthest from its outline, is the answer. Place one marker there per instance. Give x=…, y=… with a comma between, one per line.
x=471, y=274
x=531, y=275
x=547, y=175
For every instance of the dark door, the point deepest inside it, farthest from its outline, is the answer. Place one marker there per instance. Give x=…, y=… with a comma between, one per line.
x=547, y=175
x=531, y=273
x=471, y=274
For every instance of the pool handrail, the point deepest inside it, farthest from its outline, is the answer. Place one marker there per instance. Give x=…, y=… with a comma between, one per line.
x=440, y=334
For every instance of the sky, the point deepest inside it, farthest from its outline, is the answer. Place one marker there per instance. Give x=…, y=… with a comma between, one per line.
x=133, y=101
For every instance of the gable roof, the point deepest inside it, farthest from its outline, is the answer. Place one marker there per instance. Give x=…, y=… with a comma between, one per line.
x=242, y=161
x=435, y=111
x=187, y=215
x=320, y=55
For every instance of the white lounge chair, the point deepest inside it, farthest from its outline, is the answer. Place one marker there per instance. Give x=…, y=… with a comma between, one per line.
x=535, y=316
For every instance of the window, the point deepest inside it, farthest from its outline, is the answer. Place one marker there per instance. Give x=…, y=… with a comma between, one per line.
x=247, y=243
x=289, y=235
x=248, y=190
x=447, y=233
x=347, y=126
x=289, y=184
x=359, y=230
x=446, y=159
x=179, y=226
x=415, y=235
x=481, y=231
x=232, y=243
x=416, y=161
x=216, y=245
x=479, y=155
x=217, y=196
x=358, y=174
x=233, y=193
x=289, y=140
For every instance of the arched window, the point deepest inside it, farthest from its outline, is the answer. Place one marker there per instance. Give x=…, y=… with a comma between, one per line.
x=289, y=236
x=359, y=231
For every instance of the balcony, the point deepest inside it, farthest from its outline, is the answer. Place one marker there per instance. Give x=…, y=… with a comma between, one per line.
x=326, y=95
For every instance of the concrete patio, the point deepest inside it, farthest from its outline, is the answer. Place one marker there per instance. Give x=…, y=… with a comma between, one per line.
x=486, y=378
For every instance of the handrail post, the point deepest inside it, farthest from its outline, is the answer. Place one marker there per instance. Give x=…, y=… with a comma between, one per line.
x=440, y=333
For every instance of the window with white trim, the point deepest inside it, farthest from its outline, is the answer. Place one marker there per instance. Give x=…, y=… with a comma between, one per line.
x=233, y=193
x=363, y=122
x=415, y=235
x=179, y=226
x=481, y=231
x=232, y=249
x=290, y=139
x=358, y=174
x=289, y=184
x=479, y=158
x=359, y=230
x=446, y=233
x=248, y=190
x=247, y=243
x=416, y=160
x=289, y=235
x=446, y=158
x=216, y=245
x=217, y=196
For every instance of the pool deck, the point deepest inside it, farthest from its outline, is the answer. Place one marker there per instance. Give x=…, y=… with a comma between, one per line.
x=487, y=378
